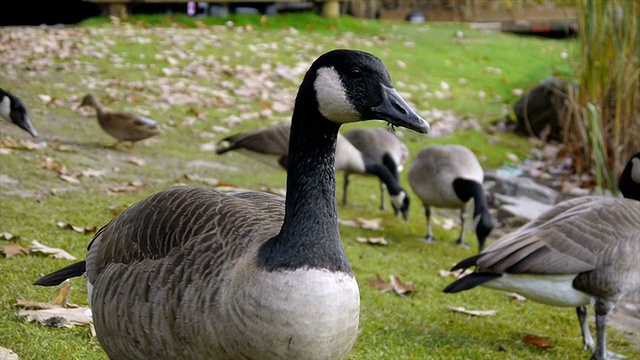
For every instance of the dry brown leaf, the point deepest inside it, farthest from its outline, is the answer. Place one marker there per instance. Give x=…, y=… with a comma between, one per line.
x=537, y=341
x=53, y=252
x=69, y=178
x=59, y=317
x=370, y=224
x=380, y=284
x=473, y=312
x=50, y=163
x=372, y=240
x=123, y=189
x=93, y=173
x=11, y=250
x=394, y=285
x=22, y=144
x=78, y=229
x=204, y=180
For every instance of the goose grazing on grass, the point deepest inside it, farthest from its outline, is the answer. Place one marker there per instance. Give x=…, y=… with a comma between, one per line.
x=270, y=145
x=448, y=176
x=381, y=147
x=13, y=110
x=629, y=182
x=582, y=251
x=190, y=273
x=122, y=126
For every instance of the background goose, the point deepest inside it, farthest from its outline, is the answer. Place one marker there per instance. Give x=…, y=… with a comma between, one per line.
x=629, y=182
x=122, y=126
x=582, y=250
x=448, y=176
x=380, y=146
x=12, y=109
x=190, y=273
x=270, y=146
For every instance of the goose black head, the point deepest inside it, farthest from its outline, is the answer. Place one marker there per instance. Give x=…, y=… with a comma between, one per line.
x=352, y=86
x=629, y=182
x=13, y=109
x=400, y=204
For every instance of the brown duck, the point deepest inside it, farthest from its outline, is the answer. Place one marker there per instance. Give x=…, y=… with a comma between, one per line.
x=122, y=126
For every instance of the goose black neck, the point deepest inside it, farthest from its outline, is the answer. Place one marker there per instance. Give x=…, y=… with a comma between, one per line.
x=629, y=188
x=382, y=172
x=309, y=237
x=466, y=189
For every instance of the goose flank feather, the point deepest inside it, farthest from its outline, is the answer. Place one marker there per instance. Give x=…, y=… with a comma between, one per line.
x=190, y=273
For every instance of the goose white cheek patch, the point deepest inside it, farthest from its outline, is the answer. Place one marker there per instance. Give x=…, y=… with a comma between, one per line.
x=5, y=108
x=332, y=97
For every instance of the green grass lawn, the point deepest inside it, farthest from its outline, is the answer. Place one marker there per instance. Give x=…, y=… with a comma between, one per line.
x=199, y=77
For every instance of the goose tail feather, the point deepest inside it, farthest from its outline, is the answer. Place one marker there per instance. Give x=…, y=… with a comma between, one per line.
x=74, y=270
x=469, y=282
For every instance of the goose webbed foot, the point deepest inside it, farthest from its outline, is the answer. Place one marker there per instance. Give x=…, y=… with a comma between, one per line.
x=429, y=239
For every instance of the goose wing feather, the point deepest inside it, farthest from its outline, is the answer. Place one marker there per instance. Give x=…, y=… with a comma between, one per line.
x=273, y=140
x=180, y=220
x=564, y=240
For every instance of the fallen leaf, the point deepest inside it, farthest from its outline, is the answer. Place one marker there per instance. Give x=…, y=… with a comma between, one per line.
x=22, y=144
x=53, y=252
x=473, y=312
x=401, y=288
x=59, y=317
x=11, y=250
x=93, y=173
x=69, y=178
x=380, y=284
x=50, y=163
x=537, y=341
x=204, y=180
x=7, y=354
x=78, y=229
x=516, y=296
x=136, y=161
x=8, y=236
x=372, y=240
x=395, y=284
x=456, y=273
x=370, y=224
x=277, y=191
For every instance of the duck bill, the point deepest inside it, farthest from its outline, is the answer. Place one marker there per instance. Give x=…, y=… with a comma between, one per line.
x=397, y=112
x=25, y=124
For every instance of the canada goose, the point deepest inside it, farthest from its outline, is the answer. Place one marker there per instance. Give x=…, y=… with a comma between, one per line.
x=190, y=273
x=270, y=146
x=381, y=147
x=12, y=109
x=629, y=182
x=122, y=126
x=448, y=176
x=582, y=250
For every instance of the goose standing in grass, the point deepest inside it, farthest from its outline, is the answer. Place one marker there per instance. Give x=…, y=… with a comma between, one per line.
x=448, y=176
x=629, y=182
x=190, y=273
x=270, y=145
x=122, y=126
x=13, y=110
x=382, y=147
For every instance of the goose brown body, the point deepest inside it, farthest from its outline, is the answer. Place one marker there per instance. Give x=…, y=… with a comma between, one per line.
x=191, y=273
x=122, y=126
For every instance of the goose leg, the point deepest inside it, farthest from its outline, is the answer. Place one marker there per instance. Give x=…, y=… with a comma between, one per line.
x=602, y=309
x=383, y=188
x=460, y=240
x=429, y=238
x=587, y=340
x=344, y=189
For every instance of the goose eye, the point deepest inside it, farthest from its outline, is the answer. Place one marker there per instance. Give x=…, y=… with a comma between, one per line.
x=355, y=74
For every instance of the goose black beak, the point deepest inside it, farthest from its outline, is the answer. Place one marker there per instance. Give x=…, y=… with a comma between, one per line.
x=397, y=112
x=25, y=123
